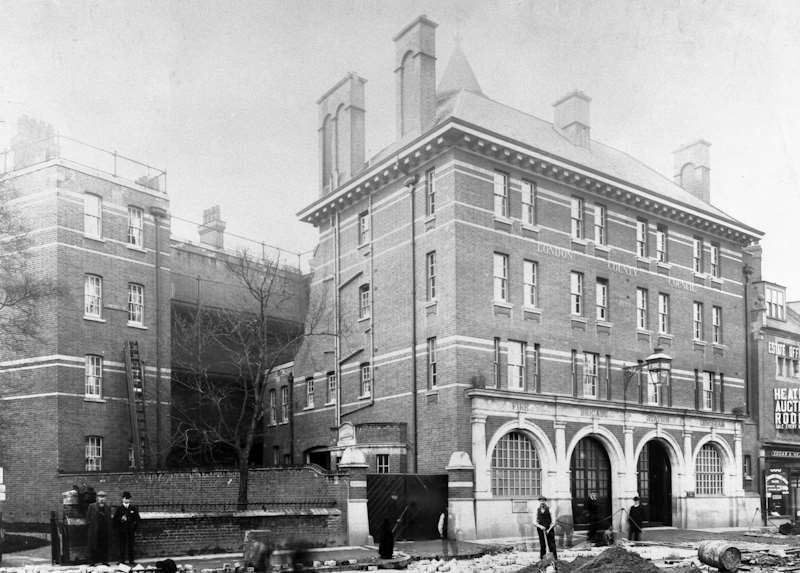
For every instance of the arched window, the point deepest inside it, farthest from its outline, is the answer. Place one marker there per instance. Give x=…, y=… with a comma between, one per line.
x=516, y=470
x=327, y=151
x=406, y=94
x=708, y=471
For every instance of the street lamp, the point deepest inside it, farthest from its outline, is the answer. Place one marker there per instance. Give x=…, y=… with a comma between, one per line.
x=656, y=364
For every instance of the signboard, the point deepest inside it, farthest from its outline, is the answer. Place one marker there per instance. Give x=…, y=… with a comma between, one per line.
x=783, y=349
x=777, y=492
x=786, y=414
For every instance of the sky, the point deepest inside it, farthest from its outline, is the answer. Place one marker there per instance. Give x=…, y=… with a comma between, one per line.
x=223, y=94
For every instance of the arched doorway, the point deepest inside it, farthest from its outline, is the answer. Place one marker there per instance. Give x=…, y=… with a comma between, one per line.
x=654, y=481
x=591, y=472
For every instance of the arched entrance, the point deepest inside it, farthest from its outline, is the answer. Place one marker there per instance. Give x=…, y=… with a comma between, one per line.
x=591, y=472
x=654, y=481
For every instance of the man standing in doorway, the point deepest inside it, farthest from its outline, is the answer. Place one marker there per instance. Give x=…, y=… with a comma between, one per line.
x=635, y=519
x=126, y=519
x=592, y=516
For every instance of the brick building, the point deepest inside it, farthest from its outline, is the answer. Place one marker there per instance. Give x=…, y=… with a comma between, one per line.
x=523, y=308
x=99, y=227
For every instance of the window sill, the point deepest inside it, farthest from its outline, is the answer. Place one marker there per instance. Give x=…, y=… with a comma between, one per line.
x=95, y=400
x=664, y=265
x=719, y=346
x=93, y=318
x=430, y=219
x=97, y=238
x=699, y=276
x=364, y=248
x=431, y=303
x=601, y=247
x=365, y=397
x=532, y=309
x=308, y=408
x=136, y=248
x=644, y=332
x=137, y=326
x=329, y=403
x=364, y=319
x=583, y=242
x=604, y=323
x=578, y=318
x=699, y=342
x=643, y=260
x=531, y=227
x=666, y=335
x=502, y=304
x=503, y=219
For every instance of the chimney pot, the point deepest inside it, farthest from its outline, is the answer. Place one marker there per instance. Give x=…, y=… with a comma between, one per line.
x=212, y=231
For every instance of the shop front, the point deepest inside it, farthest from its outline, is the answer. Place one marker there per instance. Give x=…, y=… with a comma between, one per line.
x=781, y=497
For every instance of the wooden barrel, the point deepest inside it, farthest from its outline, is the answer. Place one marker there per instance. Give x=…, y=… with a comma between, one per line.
x=720, y=554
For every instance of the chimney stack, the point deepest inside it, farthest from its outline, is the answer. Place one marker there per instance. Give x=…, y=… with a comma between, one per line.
x=342, y=138
x=571, y=117
x=415, y=75
x=693, y=169
x=212, y=231
x=34, y=142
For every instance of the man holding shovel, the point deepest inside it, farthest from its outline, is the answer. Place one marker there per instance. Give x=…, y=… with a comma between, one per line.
x=544, y=526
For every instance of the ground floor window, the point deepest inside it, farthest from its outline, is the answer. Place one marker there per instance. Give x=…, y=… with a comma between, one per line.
x=708, y=471
x=516, y=470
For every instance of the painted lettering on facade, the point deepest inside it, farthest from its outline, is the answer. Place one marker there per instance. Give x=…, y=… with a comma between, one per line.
x=624, y=269
x=682, y=284
x=787, y=408
x=555, y=251
x=781, y=349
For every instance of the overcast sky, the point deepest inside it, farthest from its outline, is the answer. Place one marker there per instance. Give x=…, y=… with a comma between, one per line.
x=223, y=94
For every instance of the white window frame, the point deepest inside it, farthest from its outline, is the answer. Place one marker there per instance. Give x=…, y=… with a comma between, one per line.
x=530, y=274
x=496, y=357
x=364, y=310
x=92, y=215
x=707, y=391
x=662, y=237
x=776, y=303
x=431, y=363
x=430, y=275
x=94, y=376
x=430, y=192
x=284, y=404
x=93, y=450
x=641, y=238
x=273, y=407
x=697, y=254
x=528, y=202
x=93, y=296
x=309, y=392
x=501, y=184
x=576, y=217
x=135, y=226
x=716, y=324
x=500, y=272
x=655, y=388
x=591, y=369
x=135, y=304
x=366, y=380
x=331, y=387
x=663, y=313
x=697, y=321
x=708, y=471
x=382, y=463
x=642, y=314
x=715, y=261
x=363, y=228
x=515, y=353
x=601, y=299
x=600, y=217
x=576, y=293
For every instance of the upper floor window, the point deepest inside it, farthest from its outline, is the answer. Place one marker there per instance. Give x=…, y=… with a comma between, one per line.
x=330, y=396
x=715, y=261
x=309, y=392
x=655, y=392
x=716, y=324
x=273, y=407
x=642, y=319
x=708, y=471
x=94, y=453
x=697, y=254
x=92, y=215
x=530, y=293
x=284, y=403
x=382, y=463
x=363, y=302
x=775, y=302
x=94, y=376
x=662, y=237
x=431, y=363
x=641, y=238
x=591, y=362
x=135, y=226
x=576, y=217
x=501, y=194
x=496, y=364
x=135, y=304
x=697, y=320
x=516, y=365
x=528, y=203
x=576, y=293
x=500, y=277
x=93, y=296
x=366, y=381
x=430, y=275
x=663, y=313
x=707, y=391
x=600, y=216
x=363, y=228
x=601, y=299
x=430, y=192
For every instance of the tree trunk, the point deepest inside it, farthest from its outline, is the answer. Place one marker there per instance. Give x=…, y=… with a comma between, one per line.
x=244, y=476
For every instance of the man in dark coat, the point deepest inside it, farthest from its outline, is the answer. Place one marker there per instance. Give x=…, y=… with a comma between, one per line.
x=635, y=518
x=126, y=519
x=386, y=541
x=593, y=517
x=544, y=525
x=98, y=518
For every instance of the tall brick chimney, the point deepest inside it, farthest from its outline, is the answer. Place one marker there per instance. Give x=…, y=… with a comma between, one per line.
x=693, y=169
x=415, y=74
x=212, y=231
x=571, y=117
x=342, y=138
x=34, y=142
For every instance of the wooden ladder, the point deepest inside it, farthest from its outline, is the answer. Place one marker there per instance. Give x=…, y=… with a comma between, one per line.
x=135, y=372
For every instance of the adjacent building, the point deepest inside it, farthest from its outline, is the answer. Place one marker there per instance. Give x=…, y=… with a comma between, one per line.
x=518, y=306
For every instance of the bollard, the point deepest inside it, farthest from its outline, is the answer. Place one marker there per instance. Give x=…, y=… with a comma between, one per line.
x=720, y=554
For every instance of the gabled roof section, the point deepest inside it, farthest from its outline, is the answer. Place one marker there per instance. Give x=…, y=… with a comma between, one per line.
x=458, y=75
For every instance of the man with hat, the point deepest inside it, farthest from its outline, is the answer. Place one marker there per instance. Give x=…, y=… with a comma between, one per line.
x=98, y=518
x=126, y=519
x=544, y=526
x=635, y=518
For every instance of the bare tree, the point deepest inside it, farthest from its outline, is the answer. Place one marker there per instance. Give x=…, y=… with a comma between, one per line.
x=223, y=358
x=22, y=289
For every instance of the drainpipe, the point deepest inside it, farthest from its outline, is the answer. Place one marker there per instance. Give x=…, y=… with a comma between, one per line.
x=410, y=183
x=747, y=271
x=158, y=213
x=337, y=322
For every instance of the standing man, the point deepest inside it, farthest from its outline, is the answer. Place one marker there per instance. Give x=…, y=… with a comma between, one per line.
x=593, y=517
x=635, y=519
x=98, y=516
x=544, y=525
x=126, y=519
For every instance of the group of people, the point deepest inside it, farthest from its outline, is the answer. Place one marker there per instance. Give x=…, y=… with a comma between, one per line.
x=100, y=518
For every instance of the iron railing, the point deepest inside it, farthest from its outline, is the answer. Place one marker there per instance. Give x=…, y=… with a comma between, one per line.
x=192, y=507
